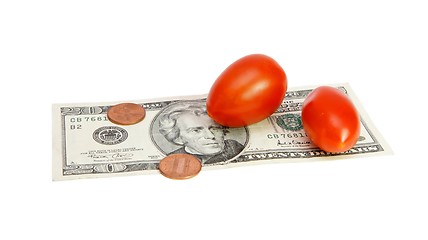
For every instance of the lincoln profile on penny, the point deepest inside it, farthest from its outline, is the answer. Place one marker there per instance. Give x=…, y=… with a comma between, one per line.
x=188, y=125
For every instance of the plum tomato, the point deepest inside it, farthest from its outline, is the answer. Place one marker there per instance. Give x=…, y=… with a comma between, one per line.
x=330, y=119
x=248, y=91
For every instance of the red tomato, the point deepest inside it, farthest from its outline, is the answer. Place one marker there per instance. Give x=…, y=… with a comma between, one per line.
x=330, y=119
x=248, y=91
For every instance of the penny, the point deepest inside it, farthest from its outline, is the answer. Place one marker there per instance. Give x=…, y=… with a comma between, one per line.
x=126, y=113
x=180, y=166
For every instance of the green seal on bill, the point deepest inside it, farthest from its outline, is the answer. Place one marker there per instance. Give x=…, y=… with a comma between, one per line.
x=290, y=121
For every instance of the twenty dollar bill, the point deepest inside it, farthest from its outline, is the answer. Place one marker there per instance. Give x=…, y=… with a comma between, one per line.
x=86, y=144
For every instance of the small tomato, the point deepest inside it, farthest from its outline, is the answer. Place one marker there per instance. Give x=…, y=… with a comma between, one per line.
x=330, y=119
x=247, y=91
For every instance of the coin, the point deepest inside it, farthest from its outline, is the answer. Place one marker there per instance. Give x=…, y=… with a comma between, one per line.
x=180, y=166
x=126, y=113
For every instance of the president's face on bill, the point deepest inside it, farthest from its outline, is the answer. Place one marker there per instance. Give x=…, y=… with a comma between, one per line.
x=200, y=134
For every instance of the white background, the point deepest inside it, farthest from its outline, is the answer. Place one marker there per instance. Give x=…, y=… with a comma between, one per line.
x=94, y=51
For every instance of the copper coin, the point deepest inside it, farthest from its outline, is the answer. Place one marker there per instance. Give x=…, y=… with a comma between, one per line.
x=180, y=166
x=126, y=113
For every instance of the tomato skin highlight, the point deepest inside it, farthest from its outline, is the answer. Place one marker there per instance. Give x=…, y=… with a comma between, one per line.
x=248, y=91
x=330, y=119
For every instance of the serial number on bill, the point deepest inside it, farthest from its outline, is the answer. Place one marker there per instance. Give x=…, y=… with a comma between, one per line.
x=88, y=119
x=287, y=135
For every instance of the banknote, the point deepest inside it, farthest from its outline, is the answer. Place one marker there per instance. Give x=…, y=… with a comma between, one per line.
x=86, y=144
